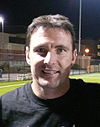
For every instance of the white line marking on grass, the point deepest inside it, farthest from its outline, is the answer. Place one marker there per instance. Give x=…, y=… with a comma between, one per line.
x=10, y=85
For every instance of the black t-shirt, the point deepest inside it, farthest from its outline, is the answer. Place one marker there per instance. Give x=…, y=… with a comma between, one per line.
x=79, y=107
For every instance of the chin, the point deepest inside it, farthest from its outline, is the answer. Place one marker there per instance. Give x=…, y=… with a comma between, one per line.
x=48, y=84
x=44, y=82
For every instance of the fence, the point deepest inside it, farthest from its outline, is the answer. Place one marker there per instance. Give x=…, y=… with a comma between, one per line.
x=13, y=66
x=84, y=64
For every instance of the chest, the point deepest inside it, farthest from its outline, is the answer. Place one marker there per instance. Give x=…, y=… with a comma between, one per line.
x=40, y=117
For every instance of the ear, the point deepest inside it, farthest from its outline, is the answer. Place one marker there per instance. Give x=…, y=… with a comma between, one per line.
x=27, y=55
x=74, y=56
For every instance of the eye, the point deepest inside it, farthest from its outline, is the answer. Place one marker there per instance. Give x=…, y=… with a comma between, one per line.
x=41, y=51
x=60, y=50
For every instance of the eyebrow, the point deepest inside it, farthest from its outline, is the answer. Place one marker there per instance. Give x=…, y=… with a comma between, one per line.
x=40, y=46
x=58, y=46
x=62, y=46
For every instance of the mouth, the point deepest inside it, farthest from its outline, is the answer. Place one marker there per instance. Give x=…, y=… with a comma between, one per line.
x=50, y=72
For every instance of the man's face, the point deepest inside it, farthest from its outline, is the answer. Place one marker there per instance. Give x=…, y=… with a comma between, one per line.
x=50, y=56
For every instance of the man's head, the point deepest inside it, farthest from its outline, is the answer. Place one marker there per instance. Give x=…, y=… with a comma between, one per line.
x=50, y=52
x=51, y=21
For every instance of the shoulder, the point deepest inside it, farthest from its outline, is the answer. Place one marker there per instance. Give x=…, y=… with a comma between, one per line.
x=87, y=88
x=81, y=83
x=89, y=94
x=13, y=97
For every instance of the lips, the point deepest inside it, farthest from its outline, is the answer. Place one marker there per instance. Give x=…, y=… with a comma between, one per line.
x=49, y=72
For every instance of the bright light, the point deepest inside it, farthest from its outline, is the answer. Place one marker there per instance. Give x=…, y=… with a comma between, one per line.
x=1, y=19
x=87, y=50
x=2, y=22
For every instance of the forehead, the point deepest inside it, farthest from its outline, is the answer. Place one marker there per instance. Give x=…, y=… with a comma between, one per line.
x=55, y=36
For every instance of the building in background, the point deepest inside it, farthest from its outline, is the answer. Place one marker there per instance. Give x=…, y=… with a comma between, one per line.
x=12, y=52
x=90, y=56
x=93, y=46
x=98, y=49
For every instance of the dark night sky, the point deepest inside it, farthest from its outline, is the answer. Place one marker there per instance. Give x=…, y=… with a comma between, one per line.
x=21, y=12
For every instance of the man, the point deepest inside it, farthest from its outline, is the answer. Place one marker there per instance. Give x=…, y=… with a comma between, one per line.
x=52, y=99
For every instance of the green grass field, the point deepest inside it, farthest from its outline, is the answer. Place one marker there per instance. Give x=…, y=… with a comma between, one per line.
x=93, y=77
x=11, y=85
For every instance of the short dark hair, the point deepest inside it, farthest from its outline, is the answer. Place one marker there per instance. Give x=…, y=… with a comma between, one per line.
x=51, y=21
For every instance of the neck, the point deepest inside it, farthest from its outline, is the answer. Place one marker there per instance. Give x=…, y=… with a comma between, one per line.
x=50, y=93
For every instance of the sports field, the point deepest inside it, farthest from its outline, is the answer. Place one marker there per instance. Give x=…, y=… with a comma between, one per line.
x=11, y=85
x=8, y=86
x=92, y=77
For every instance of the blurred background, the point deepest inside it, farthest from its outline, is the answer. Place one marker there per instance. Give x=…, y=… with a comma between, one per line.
x=16, y=15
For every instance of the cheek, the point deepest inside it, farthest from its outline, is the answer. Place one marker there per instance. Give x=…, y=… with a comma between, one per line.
x=36, y=62
x=35, y=59
x=66, y=61
x=35, y=67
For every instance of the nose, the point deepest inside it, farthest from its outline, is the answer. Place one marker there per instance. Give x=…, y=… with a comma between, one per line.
x=50, y=58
